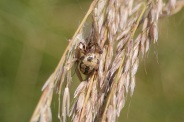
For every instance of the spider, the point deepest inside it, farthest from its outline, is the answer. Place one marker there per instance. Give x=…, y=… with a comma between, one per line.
x=87, y=58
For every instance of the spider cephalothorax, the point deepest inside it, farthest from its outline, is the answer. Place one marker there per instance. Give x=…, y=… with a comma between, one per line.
x=88, y=57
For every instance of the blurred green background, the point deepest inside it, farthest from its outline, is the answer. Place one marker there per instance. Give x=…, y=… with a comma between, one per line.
x=33, y=36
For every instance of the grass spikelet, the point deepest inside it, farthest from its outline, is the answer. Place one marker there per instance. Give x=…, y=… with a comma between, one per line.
x=120, y=32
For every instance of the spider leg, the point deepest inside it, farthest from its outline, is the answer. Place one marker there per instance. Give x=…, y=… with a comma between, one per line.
x=99, y=48
x=70, y=63
x=78, y=73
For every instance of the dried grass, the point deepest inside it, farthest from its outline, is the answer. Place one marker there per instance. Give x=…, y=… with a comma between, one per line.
x=101, y=96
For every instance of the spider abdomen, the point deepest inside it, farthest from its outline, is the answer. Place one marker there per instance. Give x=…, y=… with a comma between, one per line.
x=89, y=63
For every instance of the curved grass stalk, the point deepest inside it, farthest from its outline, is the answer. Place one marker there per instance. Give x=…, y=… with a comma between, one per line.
x=42, y=99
